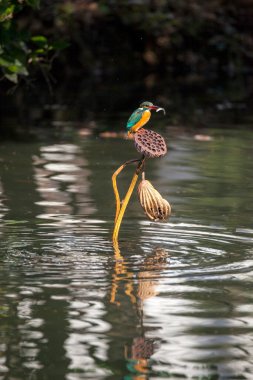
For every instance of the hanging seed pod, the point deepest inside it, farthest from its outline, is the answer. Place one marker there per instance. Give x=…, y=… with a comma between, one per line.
x=153, y=204
x=150, y=143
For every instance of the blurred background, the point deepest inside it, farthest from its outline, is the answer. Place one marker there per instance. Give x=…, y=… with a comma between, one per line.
x=172, y=300
x=74, y=64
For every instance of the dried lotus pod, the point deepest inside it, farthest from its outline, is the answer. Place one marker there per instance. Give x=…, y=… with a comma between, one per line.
x=154, y=205
x=150, y=143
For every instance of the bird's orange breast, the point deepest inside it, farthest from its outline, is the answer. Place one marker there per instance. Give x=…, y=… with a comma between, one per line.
x=144, y=119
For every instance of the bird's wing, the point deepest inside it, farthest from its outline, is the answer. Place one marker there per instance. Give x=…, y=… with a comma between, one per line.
x=134, y=118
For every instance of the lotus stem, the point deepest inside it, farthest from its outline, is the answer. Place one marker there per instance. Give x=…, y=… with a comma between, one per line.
x=124, y=206
x=114, y=185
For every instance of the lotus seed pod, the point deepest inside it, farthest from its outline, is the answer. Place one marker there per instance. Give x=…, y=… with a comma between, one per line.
x=150, y=143
x=153, y=204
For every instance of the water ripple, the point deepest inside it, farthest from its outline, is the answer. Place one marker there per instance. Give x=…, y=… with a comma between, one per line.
x=170, y=301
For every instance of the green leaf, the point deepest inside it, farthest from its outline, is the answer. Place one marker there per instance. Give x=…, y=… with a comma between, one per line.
x=39, y=51
x=4, y=62
x=39, y=40
x=12, y=77
x=6, y=13
x=18, y=69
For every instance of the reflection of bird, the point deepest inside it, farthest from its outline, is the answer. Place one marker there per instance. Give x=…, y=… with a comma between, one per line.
x=141, y=116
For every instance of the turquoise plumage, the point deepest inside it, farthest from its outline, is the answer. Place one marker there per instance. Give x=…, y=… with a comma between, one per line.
x=134, y=118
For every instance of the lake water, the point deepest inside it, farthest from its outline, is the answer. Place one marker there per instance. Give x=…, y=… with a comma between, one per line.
x=173, y=300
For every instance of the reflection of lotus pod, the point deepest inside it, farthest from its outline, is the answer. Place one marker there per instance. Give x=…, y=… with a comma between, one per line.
x=155, y=207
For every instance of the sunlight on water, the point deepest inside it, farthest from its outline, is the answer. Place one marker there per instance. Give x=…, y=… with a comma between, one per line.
x=172, y=300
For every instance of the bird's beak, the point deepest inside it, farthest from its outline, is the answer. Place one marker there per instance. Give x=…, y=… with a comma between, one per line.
x=157, y=109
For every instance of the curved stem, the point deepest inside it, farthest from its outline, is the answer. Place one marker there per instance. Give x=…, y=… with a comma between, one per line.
x=115, y=188
x=123, y=207
x=126, y=200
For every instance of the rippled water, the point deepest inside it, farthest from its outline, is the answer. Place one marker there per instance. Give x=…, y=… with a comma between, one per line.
x=173, y=300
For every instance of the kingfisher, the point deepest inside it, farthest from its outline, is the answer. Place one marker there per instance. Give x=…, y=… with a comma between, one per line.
x=141, y=116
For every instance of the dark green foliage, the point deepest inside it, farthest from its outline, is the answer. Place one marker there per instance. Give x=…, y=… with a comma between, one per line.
x=191, y=35
x=105, y=36
x=18, y=50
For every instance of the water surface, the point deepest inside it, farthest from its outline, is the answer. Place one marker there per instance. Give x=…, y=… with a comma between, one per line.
x=173, y=300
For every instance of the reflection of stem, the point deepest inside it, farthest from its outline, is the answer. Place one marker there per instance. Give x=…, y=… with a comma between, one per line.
x=117, y=253
x=120, y=269
x=129, y=292
x=122, y=210
x=147, y=278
